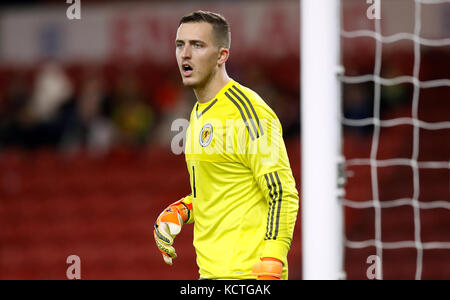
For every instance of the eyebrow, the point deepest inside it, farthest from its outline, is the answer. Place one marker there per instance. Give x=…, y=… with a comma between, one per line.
x=190, y=41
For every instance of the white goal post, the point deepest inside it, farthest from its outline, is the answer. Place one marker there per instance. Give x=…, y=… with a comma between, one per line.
x=322, y=217
x=322, y=196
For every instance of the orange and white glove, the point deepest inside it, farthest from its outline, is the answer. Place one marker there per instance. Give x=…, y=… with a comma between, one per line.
x=268, y=269
x=167, y=226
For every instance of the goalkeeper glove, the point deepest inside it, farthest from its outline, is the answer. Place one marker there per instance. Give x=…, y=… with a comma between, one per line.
x=167, y=226
x=268, y=269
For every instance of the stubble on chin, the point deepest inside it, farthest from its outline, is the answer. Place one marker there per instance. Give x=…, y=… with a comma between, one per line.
x=189, y=84
x=194, y=84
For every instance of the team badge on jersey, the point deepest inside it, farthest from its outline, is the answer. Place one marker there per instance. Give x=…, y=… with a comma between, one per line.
x=206, y=135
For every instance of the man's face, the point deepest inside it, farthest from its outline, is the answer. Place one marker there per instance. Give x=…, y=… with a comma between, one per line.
x=197, y=53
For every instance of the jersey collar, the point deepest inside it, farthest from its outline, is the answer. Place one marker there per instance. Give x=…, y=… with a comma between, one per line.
x=210, y=104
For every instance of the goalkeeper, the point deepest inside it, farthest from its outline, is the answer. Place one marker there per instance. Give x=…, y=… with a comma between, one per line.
x=244, y=202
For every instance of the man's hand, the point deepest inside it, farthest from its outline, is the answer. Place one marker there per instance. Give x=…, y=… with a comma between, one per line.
x=268, y=269
x=168, y=226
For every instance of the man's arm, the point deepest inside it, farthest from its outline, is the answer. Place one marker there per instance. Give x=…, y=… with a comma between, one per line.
x=266, y=156
x=281, y=195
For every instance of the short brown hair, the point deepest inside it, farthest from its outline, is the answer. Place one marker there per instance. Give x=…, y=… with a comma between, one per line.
x=221, y=28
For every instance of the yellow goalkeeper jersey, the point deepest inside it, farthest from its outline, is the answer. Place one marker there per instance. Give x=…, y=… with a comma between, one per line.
x=243, y=196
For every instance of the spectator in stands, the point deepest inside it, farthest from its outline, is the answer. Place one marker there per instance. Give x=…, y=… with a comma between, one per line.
x=172, y=103
x=33, y=118
x=13, y=110
x=86, y=118
x=132, y=116
x=358, y=104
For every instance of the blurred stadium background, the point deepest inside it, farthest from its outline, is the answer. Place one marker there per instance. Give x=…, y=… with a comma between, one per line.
x=86, y=108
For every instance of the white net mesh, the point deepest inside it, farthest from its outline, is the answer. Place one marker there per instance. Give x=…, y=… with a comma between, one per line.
x=417, y=161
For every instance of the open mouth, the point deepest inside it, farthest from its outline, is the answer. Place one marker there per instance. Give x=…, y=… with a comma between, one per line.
x=187, y=69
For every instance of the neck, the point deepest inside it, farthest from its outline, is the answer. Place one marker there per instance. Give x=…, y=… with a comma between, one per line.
x=212, y=87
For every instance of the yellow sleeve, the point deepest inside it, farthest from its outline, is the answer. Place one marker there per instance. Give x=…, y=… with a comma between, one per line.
x=282, y=197
x=266, y=156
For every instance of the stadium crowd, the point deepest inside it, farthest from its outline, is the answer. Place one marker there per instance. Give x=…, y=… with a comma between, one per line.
x=98, y=107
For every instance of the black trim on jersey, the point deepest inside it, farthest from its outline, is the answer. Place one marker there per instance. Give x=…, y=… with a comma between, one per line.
x=242, y=115
x=251, y=107
x=246, y=109
x=276, y=194
x=280, y=188
x=276, y=197
x=205, y=110
x=269, y=186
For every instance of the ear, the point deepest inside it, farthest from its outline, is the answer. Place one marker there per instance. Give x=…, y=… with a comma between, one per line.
x=224, y=53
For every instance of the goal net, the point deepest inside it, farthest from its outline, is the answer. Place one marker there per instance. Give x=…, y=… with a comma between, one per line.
x=396, y=139
x=375, y=139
